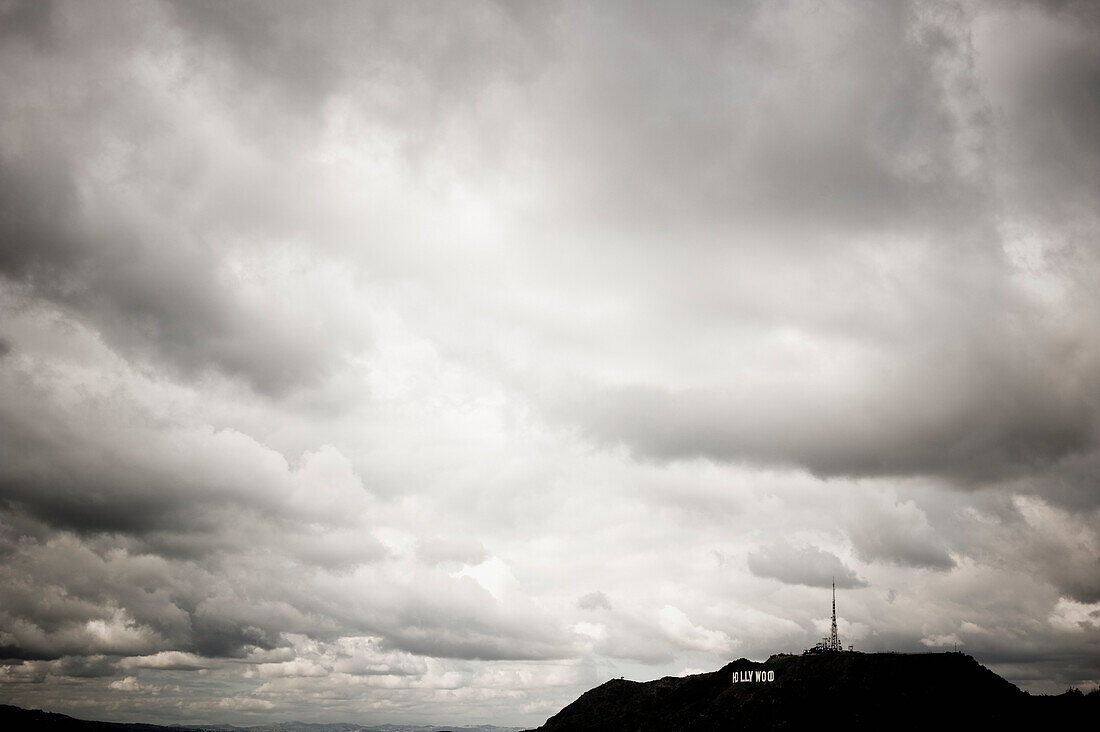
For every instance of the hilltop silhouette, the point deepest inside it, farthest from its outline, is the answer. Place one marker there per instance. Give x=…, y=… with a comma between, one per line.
x=931, y=692
x=855, y=691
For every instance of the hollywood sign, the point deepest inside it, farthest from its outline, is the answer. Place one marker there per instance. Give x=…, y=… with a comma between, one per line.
x=753, y=675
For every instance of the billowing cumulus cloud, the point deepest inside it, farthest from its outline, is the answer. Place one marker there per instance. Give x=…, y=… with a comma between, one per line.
x=435, y=363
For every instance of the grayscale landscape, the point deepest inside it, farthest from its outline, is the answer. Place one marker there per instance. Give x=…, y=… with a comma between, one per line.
x=437, y=363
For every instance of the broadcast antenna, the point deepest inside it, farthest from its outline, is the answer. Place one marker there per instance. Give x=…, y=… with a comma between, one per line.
x=834, y=640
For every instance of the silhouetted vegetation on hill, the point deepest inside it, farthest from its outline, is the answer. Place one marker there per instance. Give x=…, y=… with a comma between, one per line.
x=861, y=691
x=15, y=718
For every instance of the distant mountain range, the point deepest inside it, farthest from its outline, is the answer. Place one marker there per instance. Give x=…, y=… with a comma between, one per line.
x=850, y=691
x=14, y=718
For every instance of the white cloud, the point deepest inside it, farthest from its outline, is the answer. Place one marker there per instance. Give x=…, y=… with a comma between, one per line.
x=1073, y=616
x=676, y=624
x=492, y=574
x=129, y=683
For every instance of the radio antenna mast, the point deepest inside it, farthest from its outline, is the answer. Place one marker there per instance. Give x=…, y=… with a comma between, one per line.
x=834, y=640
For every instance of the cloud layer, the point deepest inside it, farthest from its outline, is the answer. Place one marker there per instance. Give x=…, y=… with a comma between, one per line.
x=436, y=363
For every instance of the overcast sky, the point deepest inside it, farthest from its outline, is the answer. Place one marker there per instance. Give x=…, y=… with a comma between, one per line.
x=438, y=361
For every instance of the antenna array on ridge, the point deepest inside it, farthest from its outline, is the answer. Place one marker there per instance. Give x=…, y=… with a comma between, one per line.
x=832, y=642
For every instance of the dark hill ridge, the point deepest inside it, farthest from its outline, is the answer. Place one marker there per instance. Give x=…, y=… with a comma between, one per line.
x=860, y=691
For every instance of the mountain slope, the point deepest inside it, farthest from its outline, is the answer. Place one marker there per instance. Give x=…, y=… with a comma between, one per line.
x=855, y=690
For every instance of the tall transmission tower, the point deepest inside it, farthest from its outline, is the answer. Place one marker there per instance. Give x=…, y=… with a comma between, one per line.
x=834, y=640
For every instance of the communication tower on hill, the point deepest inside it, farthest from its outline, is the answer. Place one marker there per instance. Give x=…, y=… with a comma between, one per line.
x=834, y=641
x=831, y=644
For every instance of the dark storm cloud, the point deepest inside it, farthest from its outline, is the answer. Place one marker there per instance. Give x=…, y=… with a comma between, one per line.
x=215, y=637
x=87, y=667
x=144, y=290
x=807, y=565
x=970, y=431
x=276, y=43
x=1071, y=484
x=26, y=19
x=308, y=53
x=36, y=202
x=1052, y=110
x=728, y=132
x=60, y=475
